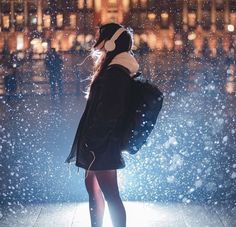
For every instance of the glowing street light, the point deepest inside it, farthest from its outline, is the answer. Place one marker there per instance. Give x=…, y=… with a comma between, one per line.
x=191, y=36
x=230, y=28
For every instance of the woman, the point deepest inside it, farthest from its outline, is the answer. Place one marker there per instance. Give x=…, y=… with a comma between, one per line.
x=98, y=142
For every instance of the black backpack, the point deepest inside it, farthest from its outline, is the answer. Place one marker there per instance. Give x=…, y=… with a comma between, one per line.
x=144, y=102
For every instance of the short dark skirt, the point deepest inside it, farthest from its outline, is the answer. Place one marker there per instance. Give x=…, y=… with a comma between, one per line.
x=102, y=163
x=111, y=158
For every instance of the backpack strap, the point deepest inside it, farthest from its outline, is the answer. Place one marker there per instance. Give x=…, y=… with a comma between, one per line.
x=137, y=74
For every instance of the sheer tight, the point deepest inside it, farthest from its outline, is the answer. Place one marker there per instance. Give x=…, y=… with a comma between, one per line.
x=100, y=185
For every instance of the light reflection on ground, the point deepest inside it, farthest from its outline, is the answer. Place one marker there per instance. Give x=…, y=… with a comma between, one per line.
x=139, y=214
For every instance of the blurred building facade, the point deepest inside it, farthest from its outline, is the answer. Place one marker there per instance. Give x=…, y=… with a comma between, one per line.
x=161, y=24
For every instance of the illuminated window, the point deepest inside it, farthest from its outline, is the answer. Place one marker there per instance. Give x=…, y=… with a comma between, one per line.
x=37, y=45
x=80, y=4
x=112, y=3
x=59, y=20
x=19, y=19
x=81, y=38
x=164, y=16
x=33, y=19
x=126, y=4
x=165, y=19
x=73, y=20
x=143, y=3
x=151, y=16
x=192, y=19
x=143, y=37
x=6, y=21
x=152, y=40
x=88, y=38
x=20, y=42
x=98, y=5
x=89, y=4
x=136, y=40
x=233, y=18
x=46, y=21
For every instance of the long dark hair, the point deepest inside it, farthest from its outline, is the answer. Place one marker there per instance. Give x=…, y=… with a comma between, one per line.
x=103, y=59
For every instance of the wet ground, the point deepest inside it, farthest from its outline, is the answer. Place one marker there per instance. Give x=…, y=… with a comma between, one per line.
x=138, y=214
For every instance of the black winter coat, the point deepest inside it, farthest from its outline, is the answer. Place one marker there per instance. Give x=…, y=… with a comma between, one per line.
x=98, y=141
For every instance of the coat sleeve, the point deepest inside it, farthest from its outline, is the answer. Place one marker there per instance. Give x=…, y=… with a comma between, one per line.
x=109, y=109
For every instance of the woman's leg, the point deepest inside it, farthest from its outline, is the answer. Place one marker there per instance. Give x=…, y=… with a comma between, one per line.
x=96, y=200
x=107, y=180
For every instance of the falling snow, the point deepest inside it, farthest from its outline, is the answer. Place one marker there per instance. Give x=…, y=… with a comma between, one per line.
x=189, y=156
